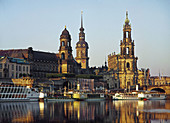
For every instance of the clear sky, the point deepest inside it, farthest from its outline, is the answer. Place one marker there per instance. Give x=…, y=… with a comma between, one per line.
x=39, y=23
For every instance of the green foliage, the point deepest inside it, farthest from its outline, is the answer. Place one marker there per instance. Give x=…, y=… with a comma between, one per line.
x=58, y=75
x=89, y=76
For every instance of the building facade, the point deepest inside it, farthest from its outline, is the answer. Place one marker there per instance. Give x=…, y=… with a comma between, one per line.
x=13, y=67
x=124, y=64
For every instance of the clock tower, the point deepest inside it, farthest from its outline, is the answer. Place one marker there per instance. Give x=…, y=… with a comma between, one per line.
x=82, y=48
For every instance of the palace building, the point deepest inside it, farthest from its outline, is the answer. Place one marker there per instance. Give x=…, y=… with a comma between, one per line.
x=42, y=63
x=124, y=64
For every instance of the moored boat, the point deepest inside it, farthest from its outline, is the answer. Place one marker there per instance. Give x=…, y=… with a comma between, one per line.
x=18, y=93
x=125, y=96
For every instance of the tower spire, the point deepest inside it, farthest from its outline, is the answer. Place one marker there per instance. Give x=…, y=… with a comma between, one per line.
x=81, y=19
x=81, y=28
x=126, y=14
x=126, y=20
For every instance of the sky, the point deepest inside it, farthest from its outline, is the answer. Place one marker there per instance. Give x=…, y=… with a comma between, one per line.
x=39, y=24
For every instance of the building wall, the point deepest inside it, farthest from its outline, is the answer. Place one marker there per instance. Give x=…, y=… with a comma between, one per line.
x=13, y=70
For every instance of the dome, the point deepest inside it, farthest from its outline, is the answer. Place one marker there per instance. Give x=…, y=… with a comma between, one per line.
x=65, y=34
x=126, y=20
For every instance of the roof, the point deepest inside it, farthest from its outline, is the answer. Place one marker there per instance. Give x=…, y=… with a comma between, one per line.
x=15, y=53
x=14, y=60
x=38, y=55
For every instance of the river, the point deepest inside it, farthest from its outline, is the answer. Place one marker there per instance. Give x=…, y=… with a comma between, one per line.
x=125, y=111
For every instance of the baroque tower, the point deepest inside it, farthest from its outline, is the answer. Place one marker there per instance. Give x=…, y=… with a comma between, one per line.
x=124, y=64
x=65, y=53
x=82, y=48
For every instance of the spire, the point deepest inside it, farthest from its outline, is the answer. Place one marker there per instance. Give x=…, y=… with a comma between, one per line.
x=81, y=28
x=65, y=26
x=126, y=14
x=82, y=19
x=126, y=20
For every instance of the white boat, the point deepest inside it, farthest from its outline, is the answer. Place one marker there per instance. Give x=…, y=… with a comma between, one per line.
x=151, y=95
x=139, y=95
x=19, y=93
x=125, y=96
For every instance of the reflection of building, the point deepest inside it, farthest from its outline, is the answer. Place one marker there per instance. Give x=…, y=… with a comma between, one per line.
x=13, y=67
x=124, y=65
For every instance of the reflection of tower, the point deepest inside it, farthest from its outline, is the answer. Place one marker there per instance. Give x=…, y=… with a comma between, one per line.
x=65, y=52
x=82, y=48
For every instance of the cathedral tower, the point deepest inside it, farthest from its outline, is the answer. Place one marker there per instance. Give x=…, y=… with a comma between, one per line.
x=65, y=52
x=124, y=64
x=82, y=48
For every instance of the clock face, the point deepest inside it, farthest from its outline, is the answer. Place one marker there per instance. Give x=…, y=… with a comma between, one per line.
x=79, y=45
x=83, y=61
x=83, y=45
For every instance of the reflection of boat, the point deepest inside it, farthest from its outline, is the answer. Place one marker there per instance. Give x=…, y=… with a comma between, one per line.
x=18, y=93
x=95, y=97
x=19, y=111
x=125, y=96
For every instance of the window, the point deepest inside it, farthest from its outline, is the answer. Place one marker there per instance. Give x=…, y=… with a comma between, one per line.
x=12, y=67
x=62, y=56
x=128, y=50
x=0, y=74
x=68, y=43
x=126, y=34
x=0, y=66
x=16, y=68
x=23, y=68
x=62, y=43
x=27, y=68
x=19, y=68
x=128, y=65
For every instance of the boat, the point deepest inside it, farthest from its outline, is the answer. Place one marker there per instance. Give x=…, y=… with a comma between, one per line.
x=125, y=96
x=151, y=95
x=19, y=93
x=139, y=95
x=80, y=96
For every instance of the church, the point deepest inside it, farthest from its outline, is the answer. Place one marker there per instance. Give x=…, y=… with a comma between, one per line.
x=42, y=62
x=124, y=64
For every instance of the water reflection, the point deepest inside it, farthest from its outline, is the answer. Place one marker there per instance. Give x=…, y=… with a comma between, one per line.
x=80, y=111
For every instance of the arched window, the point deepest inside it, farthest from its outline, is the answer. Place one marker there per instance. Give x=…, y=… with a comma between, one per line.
x=128, y=65
x=127, y=50
x=68, y=43
x=62, y=43
x=126, y=34
x=62, y=56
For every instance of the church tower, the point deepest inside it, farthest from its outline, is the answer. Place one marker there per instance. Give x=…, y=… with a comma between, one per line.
x=127, y=59
x=82, y=48
x=65, y=53
x=124, y=64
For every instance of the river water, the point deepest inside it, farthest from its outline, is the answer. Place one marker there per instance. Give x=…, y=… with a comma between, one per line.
x=125, y=111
